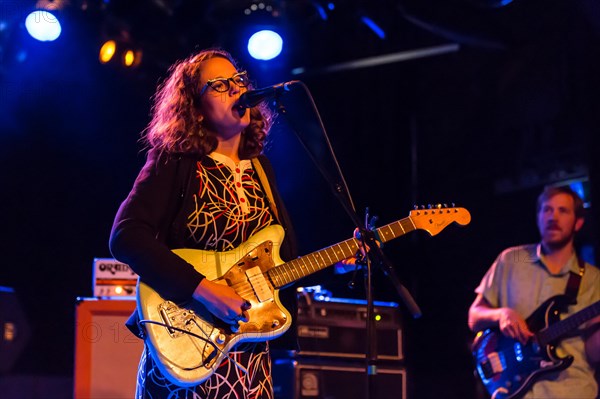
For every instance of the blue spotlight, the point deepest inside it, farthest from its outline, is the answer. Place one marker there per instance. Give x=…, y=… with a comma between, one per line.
x=43, y=26
x=374, y=27
x=265, y=45
x=321, y=11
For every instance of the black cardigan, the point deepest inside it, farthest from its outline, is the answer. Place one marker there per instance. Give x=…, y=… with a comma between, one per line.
x=151, y=222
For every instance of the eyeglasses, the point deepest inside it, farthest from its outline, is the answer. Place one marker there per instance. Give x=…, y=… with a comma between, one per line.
x=222, y=85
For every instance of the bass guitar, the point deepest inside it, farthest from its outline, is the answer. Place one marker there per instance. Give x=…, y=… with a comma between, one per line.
x=507, y=368
x=188, y=343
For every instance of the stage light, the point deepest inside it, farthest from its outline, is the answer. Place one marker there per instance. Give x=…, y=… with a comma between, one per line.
x=132, y=58
x=120, y=51
x=373, y=26
x=265, y=45
x=43, y=26
x=107, y=51
x=492, y=3
x=321, y=11
x=50, y=5
x=128, y=58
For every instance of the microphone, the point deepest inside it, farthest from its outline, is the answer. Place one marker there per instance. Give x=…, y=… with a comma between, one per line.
x=251, y=98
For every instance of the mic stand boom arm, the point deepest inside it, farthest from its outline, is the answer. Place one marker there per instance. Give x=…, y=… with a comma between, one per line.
x=375, y=254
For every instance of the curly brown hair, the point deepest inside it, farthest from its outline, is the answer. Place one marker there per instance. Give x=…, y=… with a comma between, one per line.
x=175, y=126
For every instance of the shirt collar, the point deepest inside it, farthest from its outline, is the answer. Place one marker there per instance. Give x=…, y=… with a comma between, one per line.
x=224, y=159
x=571, y=264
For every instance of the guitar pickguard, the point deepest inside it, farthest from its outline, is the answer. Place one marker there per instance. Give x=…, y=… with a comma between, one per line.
x=248, y=278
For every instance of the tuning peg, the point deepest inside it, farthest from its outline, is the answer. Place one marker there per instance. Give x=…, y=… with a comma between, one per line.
x=429, y=206
x=445, y=205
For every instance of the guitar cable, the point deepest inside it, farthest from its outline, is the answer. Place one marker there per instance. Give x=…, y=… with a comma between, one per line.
x=207, y=340
x=235, y=362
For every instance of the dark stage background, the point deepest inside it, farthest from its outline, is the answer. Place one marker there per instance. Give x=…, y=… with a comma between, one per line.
x=515, y=107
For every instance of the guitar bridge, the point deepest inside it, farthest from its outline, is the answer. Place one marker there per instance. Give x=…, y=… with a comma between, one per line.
x=174, y=316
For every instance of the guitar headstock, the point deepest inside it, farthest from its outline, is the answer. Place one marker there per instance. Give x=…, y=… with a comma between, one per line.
x=434, y=219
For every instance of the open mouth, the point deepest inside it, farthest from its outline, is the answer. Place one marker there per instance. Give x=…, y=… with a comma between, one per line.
x=239, y=109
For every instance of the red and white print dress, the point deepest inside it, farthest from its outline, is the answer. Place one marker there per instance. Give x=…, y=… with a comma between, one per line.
x=229, y=206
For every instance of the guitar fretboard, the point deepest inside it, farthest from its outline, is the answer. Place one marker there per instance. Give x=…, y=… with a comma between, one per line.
x=557, y=330
x=294, y=270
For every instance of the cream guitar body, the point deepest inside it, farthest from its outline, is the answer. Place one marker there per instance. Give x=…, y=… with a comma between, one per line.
x=190, y=359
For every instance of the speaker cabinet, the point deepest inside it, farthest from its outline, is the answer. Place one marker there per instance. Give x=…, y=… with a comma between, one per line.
x=14, y=329
x=106, y=352
x=314, y=379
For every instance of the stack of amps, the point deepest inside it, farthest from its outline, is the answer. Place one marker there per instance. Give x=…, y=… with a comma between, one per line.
x=331, y=362
x=106, y=352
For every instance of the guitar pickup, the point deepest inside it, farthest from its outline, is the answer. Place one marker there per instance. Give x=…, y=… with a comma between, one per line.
x=493, y=364
x=485, y=369
x=259, y=284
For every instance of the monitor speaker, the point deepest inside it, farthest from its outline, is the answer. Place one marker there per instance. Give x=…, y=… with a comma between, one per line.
x=14, y=329
x=319, y=379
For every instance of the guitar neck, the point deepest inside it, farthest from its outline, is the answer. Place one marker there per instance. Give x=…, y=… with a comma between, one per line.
x=561, y=328
x=296, y=269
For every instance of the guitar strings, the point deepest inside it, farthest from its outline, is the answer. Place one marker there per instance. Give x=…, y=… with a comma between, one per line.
x=246, y=290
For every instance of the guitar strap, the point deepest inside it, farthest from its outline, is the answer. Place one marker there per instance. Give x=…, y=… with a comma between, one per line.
x=574, y=282
x=262, y=176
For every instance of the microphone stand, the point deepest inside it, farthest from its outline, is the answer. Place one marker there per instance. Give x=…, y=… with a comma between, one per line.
x=375, y=254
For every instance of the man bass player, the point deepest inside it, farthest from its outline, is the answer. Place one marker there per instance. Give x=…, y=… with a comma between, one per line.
x=524, y=279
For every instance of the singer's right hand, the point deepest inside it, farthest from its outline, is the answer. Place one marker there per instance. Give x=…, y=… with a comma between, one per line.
x=222, y=301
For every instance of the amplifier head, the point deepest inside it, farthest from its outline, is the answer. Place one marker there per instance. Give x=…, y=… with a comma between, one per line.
x=336, y=327
x=111, y=278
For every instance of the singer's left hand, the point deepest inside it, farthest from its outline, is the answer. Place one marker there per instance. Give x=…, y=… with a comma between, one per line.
x=357, y=261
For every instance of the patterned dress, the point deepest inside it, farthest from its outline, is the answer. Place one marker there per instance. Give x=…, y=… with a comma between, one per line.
x=229, y=207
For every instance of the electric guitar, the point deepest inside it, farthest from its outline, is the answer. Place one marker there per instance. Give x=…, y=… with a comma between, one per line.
x=188, y=343
x=507, y=368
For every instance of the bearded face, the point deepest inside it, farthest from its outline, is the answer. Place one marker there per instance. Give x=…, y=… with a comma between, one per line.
x=557, y=221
